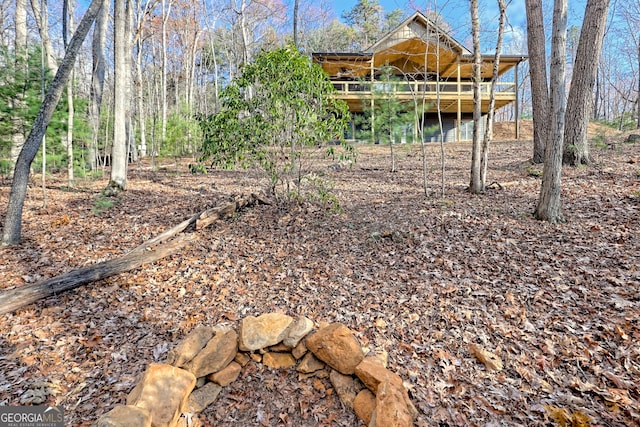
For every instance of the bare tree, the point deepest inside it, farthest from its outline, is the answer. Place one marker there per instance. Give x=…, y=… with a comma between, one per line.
x=119, y=152
x=41, y=14
x=166, y=11
x=142, y=11
x=580, y=100
x=475, y=186
x=67, y=29
x=538, y=76
x=20, y=50
x=13, y=221
x=97, y=79
x=296, y=5
x=549, y=206
x=488, y=133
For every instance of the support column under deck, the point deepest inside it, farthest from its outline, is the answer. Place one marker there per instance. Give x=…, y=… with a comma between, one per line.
x=517, y=103
x=459, y=104
x=373, y=130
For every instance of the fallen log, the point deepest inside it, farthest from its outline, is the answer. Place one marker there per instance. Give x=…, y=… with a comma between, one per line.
x=14, y=299
x=163, y=245
x=227, y=210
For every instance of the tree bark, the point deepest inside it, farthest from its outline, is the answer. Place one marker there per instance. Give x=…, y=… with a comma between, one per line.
x=580, y=100
x=118, y=180
x=488, y=133
x=25, y=295
x=68, y=30
x=20, y=51
x=638, y=98
x=550, y=203
x=13, y=222
x=97, y=79
x=141, y=13
x=475, y=186
x=163, y=77
x=152, y=250
x=538, y=76
x=296, y=5
x=41, y=16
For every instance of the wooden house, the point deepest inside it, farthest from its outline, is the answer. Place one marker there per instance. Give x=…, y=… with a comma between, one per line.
x=428, y=65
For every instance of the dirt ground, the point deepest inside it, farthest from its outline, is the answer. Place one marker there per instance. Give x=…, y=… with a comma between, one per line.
x=418, y=277
x=505, y=131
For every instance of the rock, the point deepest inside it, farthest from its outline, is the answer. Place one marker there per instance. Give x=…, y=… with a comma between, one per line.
x=279, y=348
x=278, y=360
x=189, y=420
x=203, y=397
x=263, y=331
x=200, y=381
x=296, y=331
x=346, y=386
x=299, y=350
x=372, y=373
x=634, y=137
x=337, y=347
x=227, y=375
x=125, y=416
x=256, y=357
x=391, y=407
x=309, y=363
x=163, y=391
x=242, y=358
x=217, y=354
x=189, y=346
x=381, y=358
x=364, y=405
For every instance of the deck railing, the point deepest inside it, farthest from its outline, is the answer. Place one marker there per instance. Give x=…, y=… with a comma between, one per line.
x=418, y=88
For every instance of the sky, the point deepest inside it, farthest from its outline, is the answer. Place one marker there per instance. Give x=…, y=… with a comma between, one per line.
x=456, y=13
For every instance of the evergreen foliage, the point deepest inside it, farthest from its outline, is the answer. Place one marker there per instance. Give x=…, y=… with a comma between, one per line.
x=28, y=83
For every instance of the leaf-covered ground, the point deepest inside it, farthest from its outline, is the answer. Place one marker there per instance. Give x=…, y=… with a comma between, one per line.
x=419, y=278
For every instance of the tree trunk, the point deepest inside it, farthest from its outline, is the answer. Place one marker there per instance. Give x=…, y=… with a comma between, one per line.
x=475, y=186
x=538, y=73
x=488, y=133
x=97, y=80
x=296, y=4
x=163, y=77
x=17, y=103
x=13, y=222
x=68, y=30
x=638, y=98
x=167, y=243
x=132, y=149
x=579, y=102
x=28, y=294
x=243, y=30
x=140, y=101
x=141, y=13
x=550, y=203
x=118, y=180
x=41, y=15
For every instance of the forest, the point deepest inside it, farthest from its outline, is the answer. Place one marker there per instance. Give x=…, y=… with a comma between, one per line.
x=452, y=186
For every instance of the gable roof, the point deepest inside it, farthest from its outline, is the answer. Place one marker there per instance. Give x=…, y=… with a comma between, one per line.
x=418, y=27
x=418, y=45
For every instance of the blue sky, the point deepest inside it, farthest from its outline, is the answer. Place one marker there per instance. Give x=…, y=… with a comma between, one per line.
x=450, y=8
x=456, y=13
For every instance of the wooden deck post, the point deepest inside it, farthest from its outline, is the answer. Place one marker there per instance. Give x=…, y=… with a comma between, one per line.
x=517, y=102
x=373, y=129
x=459, y=104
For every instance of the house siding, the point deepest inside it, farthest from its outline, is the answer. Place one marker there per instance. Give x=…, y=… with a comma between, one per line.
x=449, y=122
